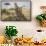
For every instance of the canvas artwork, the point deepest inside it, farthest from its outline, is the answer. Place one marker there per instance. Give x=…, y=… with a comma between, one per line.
x=16, y=11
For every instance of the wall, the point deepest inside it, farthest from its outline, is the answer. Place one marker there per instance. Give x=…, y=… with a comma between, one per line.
x=26, y=28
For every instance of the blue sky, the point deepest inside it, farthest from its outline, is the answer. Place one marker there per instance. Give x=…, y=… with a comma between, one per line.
x=20, y=4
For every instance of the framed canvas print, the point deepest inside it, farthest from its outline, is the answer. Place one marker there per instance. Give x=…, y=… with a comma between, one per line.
x=16, y=11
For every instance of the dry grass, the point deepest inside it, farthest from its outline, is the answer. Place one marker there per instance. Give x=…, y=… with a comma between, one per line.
x=25, y=12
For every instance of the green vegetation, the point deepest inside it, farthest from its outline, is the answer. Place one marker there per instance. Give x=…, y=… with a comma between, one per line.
x=41, y=17
x=11, y=31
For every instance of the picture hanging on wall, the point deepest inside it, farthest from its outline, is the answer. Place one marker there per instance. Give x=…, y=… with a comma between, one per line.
x=16, y=11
